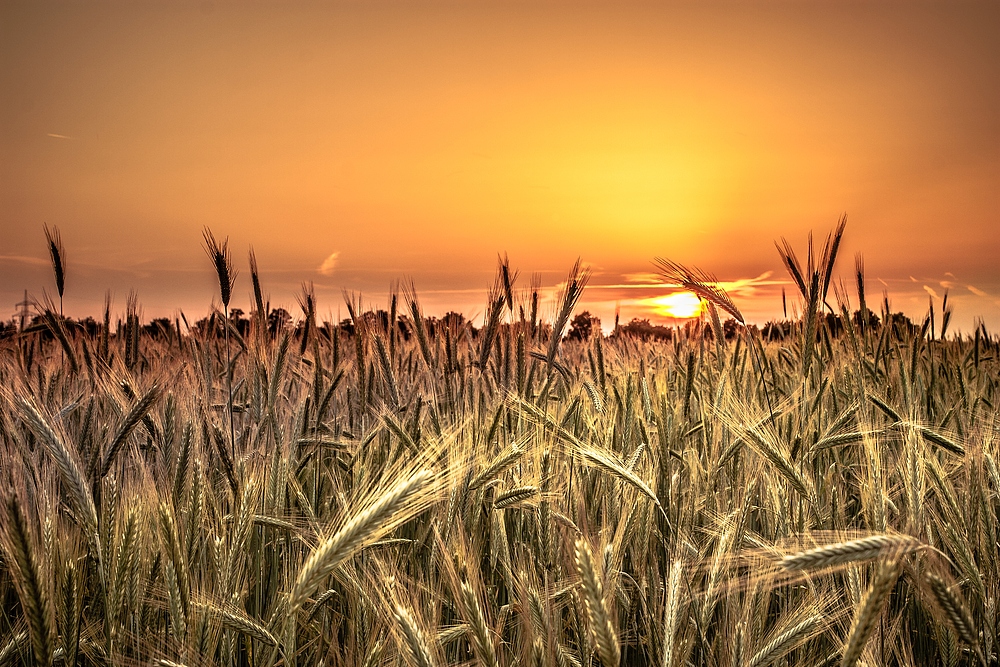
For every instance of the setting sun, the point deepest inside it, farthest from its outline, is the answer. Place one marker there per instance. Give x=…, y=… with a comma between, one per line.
x=679, y=305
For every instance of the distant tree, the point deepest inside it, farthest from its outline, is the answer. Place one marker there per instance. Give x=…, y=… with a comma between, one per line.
x=160, y=327
x=582, y=326
x=89, y=326
x=873, y=320
x=453, y=320
x=901, y=323
x=730, y=328
x=642, y=329
x=278, y=320
x=241, y=323
x=8, y=329
x=405, y=326
x=777, y=330
x=207, y=326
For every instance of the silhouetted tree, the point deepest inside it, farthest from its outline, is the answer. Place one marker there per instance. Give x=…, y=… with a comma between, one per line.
x=278, y=320
x=582, y=326
x=160, y=327
x=642, y=329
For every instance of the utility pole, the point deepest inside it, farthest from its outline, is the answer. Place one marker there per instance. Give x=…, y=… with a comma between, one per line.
x=23, y=305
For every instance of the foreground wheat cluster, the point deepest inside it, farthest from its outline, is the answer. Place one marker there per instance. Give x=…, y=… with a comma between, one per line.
x=397, y=493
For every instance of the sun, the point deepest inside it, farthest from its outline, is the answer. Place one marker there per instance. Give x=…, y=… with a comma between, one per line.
x=679, y=305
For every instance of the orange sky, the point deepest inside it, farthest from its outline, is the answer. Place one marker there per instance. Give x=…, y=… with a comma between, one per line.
x=409, y=141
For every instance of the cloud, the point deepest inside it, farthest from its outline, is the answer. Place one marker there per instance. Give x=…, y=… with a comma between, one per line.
x=654, y=280
x=643, y=277
x=58, y=136
x=21, y=259
x=747, y=286
x=930, y=291
x=975, y=290
x=329, y=264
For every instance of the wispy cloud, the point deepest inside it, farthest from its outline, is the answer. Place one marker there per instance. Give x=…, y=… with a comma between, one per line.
x=22, y=259
x=930, y=290
x=748, y=285
x=975, y=290
x=57, y=136
x=329, y=264
x=653, y=280
x=643, y=277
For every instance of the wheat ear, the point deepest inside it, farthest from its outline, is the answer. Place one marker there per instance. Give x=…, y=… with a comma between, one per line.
x=851, y=551
x=58, y=254
x=670, y=615
x=417, y=652
x=480, y=632
x=135, y=415
x=497, y=466
x=236, y=620
x=597, y=610
x=331, y=552
x=606, y=461
x=35, y=604
x=867, y=616
x=784, y=641
x=69, y=468
x=514, y=496
x=956, y=611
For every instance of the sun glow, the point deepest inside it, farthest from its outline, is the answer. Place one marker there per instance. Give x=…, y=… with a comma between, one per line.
x=679, y=305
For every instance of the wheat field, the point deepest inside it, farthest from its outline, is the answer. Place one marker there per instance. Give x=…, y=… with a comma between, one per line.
x=403, y=490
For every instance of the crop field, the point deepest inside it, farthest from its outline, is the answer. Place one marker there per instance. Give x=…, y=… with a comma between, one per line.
x=403, y=490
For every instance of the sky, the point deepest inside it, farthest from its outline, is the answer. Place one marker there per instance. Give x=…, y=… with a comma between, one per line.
x=360, y=145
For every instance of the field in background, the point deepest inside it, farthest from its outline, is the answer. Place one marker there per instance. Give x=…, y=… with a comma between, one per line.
x=402, y=491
